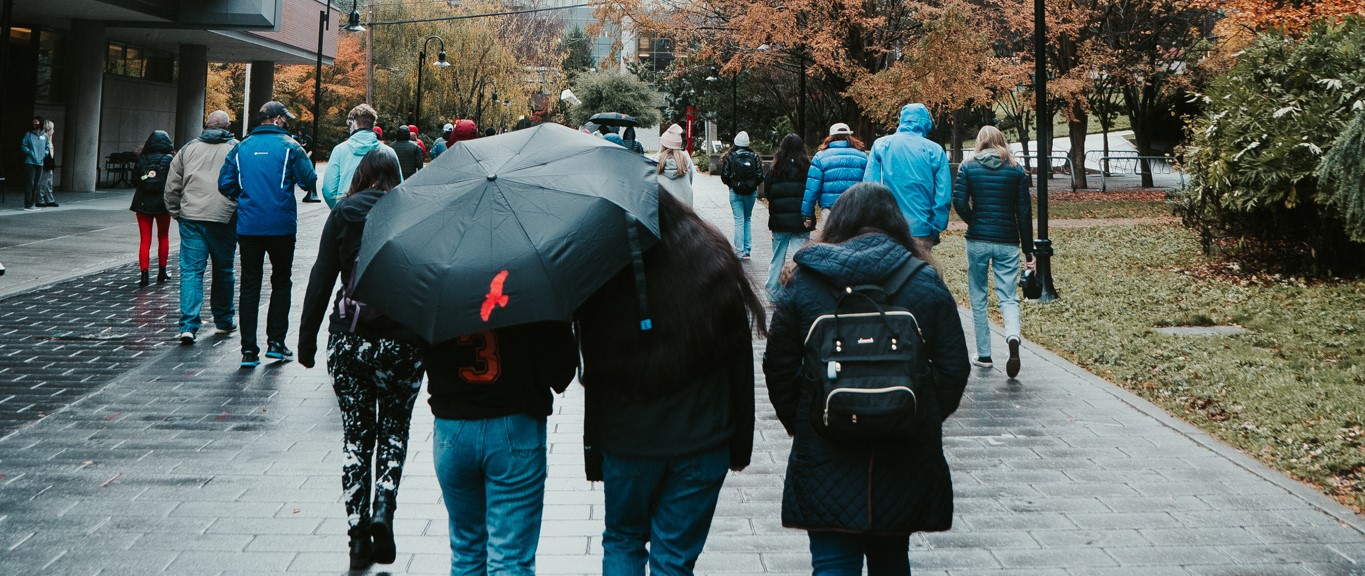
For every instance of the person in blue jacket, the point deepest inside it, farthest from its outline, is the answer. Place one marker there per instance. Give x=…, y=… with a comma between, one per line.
x=838, y=165
x=992, y=196
x=917, y=172
x=260, y=174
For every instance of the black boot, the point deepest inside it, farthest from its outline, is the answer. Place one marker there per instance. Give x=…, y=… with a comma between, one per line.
x=143, y=282
x=381, y=527
x=162, y=276
x=361, y=551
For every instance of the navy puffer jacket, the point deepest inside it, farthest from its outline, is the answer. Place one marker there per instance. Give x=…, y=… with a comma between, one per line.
x=784, y=187
x=891, y=488
x=993, y=199
x=832, y=171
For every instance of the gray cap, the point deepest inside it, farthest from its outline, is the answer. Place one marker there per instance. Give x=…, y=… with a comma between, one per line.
x=272, y=109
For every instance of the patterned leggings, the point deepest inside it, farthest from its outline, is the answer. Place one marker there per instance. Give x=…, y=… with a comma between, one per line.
x=376, y=383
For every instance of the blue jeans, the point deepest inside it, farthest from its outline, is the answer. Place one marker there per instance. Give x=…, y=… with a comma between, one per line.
x=492, y=476
x=841, y=554
x=743, y=207
x=665, y=502
x=200, y=241
x=1004, y=259
x=783, y=242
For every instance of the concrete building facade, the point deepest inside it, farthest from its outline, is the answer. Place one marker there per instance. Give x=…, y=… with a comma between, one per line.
x=108, y=72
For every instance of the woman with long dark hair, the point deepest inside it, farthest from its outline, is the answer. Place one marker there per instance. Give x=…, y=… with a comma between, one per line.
x=863, y=499
x=670, y=408
x=784, y=187
x=149, y=202
x=375, y=363
x=838, y=165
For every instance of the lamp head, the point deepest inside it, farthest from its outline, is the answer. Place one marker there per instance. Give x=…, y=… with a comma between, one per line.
x=353, y=21
x=441, y=61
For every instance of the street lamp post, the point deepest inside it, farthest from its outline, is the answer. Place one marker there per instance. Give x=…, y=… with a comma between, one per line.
x=440, y=62
x=324, y=20
x=1042, y=246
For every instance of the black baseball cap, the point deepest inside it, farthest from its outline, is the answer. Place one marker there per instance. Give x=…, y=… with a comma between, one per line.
x=272, y=109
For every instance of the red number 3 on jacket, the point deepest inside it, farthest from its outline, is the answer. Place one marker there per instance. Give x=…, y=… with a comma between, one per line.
x=487, y=365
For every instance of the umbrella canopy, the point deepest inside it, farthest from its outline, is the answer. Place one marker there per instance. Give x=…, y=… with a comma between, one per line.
x=613, y=119
x=510, y=229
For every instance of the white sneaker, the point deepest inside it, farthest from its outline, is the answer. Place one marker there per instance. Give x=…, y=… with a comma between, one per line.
x=187, y=338
x=982, y=362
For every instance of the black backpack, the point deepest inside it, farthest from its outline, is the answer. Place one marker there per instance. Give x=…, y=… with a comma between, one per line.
x=745, y=171
x=349, y=308
x=866, y=360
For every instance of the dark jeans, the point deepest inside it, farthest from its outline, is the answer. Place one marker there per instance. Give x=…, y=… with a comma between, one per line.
x=254, y=250
x=33, y=177
x=841, y=554
x=667, y=503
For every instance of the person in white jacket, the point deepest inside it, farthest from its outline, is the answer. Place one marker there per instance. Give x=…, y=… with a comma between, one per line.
x=207, y=227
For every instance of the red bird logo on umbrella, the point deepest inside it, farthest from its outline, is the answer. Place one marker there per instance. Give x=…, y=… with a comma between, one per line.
x=495, y=298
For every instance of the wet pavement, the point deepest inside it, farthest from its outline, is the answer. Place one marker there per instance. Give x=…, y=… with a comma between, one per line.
x=123, y=452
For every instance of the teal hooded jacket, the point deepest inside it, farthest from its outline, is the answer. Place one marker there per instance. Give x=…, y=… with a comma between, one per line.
x=916, y=170
x=341, y=165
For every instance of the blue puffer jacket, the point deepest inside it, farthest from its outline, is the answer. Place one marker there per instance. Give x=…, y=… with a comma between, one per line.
x=889, y=488
x=260, y=174
x=832, y=171
x=916, y=170
x=993, y=199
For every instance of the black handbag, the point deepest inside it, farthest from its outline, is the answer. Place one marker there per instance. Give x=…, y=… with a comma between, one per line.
x=49, y=164
x=1030, y=284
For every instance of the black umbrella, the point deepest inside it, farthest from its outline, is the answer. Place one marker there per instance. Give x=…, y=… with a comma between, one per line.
x=510, y=229
x=613, y=119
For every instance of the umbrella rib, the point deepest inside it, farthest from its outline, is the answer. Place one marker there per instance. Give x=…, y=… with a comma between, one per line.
x=521, y=226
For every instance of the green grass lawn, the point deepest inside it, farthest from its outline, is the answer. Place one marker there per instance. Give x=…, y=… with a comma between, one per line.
x=1290, y=391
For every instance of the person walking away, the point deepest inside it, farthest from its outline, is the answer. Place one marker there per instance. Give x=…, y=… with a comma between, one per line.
x=837, y=165
x=992, y=196
x=376, y=367
x=742, y=170
x=34, y=148
x=785, y=188
x=149, y=202
x=862, y=499
x=45, y=197
x=670, y=409
x=628, y=136
x=917, y=172
x=417, y=139
x=465, y=129
x=675, y=166
x=408, y=154
x=207, y=228
x=439, y=145
x=364, y=137
x=491, y=393
x=260, y=174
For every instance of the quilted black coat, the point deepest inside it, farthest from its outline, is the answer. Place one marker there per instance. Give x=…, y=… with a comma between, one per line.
x=891, y=488
x=784, y=187
x=993, y=199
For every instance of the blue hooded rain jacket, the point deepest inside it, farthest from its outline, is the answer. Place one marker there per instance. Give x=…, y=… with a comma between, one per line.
x=260, y=174
x=916, y=170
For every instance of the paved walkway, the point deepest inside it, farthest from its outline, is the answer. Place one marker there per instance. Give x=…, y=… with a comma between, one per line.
x=174, y=461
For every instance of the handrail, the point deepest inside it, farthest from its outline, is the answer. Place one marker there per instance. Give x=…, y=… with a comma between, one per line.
x=1132, y=163
x=1055, y=161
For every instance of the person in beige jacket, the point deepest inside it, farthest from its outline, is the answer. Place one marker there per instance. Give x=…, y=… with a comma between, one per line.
x=208, y=227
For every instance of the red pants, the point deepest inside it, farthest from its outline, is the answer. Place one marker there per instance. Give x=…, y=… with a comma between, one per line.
x=163, y=246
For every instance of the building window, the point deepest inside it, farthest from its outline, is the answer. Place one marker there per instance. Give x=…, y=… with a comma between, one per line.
x=51, y=68
x=137, y=62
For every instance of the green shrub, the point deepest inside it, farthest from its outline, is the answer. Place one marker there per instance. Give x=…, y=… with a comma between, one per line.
x=1256, y=151
x=605, y=92
x=1342, y=177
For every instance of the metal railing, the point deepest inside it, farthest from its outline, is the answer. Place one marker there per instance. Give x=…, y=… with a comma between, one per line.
x=1057, y=165
x=1129, y=163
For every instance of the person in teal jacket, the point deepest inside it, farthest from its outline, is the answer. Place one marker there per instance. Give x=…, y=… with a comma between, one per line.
x=346, y=156
x=917, y=172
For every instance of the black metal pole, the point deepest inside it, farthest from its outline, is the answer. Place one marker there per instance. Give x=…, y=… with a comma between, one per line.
x=1042, y=246
x=324, y=19
x=421, y=63
x=801, y=97
x=734, y=90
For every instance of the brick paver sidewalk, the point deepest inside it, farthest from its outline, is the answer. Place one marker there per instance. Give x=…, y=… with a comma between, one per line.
x=176, y=462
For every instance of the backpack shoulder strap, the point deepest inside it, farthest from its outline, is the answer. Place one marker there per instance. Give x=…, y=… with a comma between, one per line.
x=903, y=275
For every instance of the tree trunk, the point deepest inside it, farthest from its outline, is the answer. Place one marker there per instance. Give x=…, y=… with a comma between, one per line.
x=1078, y=124
x=955, y=155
